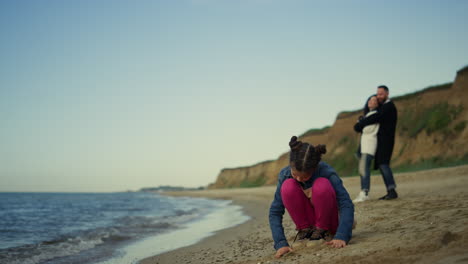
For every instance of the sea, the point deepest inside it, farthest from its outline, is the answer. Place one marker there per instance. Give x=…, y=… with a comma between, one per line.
x=104, y=228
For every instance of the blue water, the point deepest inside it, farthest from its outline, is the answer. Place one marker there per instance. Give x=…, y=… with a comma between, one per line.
x=58, y=228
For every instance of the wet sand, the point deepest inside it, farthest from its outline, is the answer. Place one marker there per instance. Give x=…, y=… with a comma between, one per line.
x=427, y=224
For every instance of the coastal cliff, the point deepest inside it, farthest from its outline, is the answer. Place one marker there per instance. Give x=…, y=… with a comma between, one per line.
x=431, y=132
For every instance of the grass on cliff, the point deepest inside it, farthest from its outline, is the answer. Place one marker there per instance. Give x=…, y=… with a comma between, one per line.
x=345, y=163
x=423, y=164
x=257, y=182
x=438, y=87
x=436, y=118
x=432, y=163
x=460, y=126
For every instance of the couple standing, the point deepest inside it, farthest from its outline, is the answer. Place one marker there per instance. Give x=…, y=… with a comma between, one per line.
x=377, y=140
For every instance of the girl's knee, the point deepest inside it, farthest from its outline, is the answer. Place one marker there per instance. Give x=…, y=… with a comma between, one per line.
x=322, y=186
x=289, y=185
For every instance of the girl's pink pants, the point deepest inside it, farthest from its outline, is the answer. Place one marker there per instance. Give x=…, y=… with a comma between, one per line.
x=320, y=211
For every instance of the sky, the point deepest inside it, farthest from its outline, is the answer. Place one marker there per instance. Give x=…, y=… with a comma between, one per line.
x=111, y=95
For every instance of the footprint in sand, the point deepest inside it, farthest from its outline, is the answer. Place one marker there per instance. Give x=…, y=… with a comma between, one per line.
x=307, y=243
x=314, y=243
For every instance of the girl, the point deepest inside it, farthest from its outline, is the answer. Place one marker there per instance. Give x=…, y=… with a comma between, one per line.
x=368, y=147
x=315, y=198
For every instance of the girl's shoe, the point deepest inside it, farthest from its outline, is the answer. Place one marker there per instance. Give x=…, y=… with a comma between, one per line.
x=304, y=234
x=320, y=233
x=363, y=196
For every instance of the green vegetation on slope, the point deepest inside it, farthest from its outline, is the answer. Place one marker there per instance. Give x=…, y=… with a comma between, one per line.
x=434, y=162
x=346, y=162
x=438, y=87
x=436, y=118
x=257, y=182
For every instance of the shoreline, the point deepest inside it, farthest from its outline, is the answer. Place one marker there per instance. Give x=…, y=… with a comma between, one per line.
x=187, y=234
x=425, y=224
x=253, y=206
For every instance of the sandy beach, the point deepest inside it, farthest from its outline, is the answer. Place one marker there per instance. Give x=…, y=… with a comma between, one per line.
x=427, y=224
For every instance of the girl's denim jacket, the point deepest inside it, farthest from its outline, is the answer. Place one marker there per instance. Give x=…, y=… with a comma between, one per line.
x=345, y=205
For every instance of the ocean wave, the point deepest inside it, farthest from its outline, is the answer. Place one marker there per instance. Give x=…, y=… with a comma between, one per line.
x=128, y=229
x=38, y=253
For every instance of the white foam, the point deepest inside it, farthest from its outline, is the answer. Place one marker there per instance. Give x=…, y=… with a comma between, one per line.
x=48, y=252
x=227, y=216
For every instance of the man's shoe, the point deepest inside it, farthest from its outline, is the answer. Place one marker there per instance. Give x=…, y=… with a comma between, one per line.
x=391, y=194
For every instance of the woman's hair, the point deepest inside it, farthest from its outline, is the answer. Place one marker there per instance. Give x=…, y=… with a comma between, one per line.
x=305, y=157
x=366, y=107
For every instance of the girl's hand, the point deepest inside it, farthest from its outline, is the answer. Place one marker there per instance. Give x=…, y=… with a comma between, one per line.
x=337, y=243
x=280, y=252
x=308, y=192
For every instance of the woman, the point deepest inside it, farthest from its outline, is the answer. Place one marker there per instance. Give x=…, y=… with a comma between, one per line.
x=315, y=198
x=368, y=148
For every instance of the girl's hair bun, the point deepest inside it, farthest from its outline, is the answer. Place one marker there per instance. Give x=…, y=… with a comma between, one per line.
x=294, y=144
x=321, y=149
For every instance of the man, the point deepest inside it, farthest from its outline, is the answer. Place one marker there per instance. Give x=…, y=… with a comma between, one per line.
x=386, y=116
